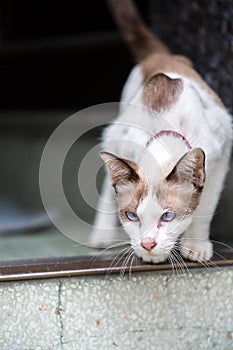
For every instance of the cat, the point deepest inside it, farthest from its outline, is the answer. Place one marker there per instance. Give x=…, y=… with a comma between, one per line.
x=167, y=152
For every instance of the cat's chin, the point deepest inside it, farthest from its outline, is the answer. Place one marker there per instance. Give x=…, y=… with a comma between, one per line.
x=155, y=259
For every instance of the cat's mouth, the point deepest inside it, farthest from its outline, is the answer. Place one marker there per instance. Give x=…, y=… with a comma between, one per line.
x=155, y=259
x=152, y=257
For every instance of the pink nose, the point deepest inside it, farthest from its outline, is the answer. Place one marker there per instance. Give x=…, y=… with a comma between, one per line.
x=148, y=243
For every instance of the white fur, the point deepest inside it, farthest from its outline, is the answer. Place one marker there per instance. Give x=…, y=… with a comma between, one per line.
x=165, y=236
x=133, y=85
x=205, y=124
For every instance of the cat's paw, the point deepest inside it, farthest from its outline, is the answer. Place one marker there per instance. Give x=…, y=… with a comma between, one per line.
x=196, y=250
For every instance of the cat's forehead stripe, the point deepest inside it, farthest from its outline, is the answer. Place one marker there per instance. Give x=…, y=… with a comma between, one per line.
x=149, y=206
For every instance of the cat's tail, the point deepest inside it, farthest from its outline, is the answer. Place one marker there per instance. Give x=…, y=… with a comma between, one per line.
x=141, y=41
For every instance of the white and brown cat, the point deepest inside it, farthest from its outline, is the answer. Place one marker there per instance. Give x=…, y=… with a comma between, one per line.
x=167, y=153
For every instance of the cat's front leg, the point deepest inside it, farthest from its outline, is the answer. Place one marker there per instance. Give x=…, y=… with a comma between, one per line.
x=195, y=244
x=105, y=223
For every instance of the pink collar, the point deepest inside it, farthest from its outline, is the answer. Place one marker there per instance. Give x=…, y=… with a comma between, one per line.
x=168, y=132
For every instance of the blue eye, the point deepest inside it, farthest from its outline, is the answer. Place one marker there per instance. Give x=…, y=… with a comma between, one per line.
x=131, y=216
x=168, y=216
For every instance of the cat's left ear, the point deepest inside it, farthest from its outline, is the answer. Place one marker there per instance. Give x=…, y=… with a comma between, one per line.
x=190, y=169
x=120, y=169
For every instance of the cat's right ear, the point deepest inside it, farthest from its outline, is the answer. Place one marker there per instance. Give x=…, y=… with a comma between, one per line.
x=120, y=169
x=190, y=169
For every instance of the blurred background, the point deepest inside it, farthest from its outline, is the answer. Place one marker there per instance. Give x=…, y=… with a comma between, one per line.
x=58, y=58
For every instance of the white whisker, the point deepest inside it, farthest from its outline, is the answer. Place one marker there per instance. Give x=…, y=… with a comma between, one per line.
x=103, y=251
x=206, y=264
x=125, y=263
x=116, y=261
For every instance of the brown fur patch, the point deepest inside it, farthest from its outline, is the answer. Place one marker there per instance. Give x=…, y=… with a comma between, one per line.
x=130, y=195
x=183, y=198
x=157, y=63
x=128, y=181
x=160, y=92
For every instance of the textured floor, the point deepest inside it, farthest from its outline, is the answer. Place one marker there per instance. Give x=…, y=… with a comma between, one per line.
x=147, y=311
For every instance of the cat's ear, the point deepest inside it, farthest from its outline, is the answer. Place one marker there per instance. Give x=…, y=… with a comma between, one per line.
x=120, y=168
x=190, y=169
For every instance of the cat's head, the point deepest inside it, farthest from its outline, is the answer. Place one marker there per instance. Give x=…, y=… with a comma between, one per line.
x=156, y=210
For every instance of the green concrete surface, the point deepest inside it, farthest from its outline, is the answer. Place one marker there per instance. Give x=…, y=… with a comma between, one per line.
x=157, y=311
x=45, y=244
x=20, y=152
